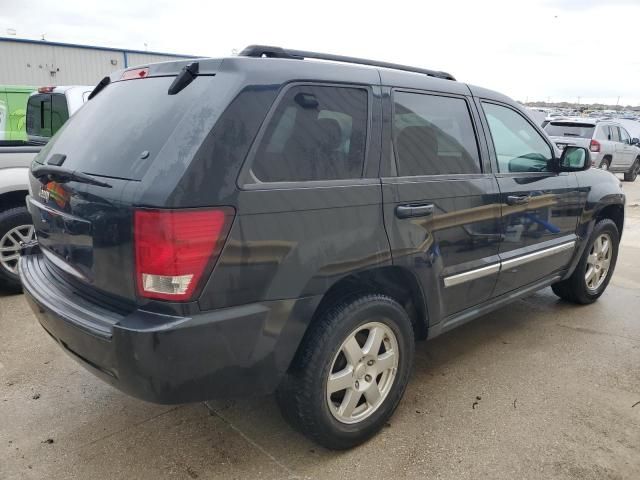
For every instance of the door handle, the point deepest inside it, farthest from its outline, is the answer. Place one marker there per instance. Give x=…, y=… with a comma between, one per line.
x=408, y=211
x=517, y=199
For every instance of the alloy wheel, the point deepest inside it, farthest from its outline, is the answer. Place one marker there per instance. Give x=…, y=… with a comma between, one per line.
x=362, y=372
x=598, y=262
x=10, y=245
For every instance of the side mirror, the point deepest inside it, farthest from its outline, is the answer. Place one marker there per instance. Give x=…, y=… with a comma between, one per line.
x=635, y=141
x=574, y=159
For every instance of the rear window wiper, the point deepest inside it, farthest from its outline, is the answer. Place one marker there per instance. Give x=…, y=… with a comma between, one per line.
x=62, y=174
x=571, y=135
x=185, y=77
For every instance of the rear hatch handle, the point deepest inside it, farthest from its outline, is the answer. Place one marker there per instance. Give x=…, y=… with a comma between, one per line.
x=62, y=174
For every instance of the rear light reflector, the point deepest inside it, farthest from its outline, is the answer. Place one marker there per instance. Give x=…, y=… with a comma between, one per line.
x=175, y=248
x=134, y=73
x=594, y=146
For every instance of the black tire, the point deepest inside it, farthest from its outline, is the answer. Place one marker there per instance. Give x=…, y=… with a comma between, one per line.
x=14, y=217
x=632, y=174
x=605, y=164
x=302, y=395
x=574, y=289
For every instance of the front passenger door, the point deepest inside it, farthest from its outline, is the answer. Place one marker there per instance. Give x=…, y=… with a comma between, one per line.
x=540, y=207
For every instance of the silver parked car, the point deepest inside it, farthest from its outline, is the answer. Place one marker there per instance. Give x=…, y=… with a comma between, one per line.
x=611, y=146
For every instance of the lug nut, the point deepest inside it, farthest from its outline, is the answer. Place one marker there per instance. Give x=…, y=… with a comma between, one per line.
x=367, y=378
x=370, y=362
x=357, y=384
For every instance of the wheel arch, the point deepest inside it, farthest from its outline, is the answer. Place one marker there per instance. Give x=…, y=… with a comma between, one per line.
x=394, y=281
x=12, y=199
x=614, y=212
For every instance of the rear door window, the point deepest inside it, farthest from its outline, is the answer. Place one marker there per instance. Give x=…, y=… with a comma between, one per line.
x=315, y=133
x=615, y=133
x=433, y=135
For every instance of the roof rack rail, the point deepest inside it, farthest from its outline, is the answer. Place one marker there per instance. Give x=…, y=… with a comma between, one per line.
x=278, y=52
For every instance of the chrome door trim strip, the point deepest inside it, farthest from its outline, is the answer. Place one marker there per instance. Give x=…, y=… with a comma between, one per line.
x=477, y=273
x=471, y=275
x=547, y=252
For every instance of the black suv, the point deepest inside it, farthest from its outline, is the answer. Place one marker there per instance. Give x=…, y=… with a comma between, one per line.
x=268, y=223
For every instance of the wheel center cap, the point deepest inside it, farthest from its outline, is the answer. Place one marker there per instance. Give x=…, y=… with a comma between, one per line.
x=360, y=370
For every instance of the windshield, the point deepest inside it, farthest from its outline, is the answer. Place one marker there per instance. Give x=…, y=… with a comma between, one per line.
x=560, y=129
x=120, y=132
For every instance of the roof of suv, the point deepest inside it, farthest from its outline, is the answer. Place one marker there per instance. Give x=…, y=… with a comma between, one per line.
x=276, y=65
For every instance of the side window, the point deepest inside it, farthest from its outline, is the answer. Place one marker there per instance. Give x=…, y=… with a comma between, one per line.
x=603, y=133
x=519, y=147
x=615, y=134
x=433, y=135
x=624, y=136
x=316, y=133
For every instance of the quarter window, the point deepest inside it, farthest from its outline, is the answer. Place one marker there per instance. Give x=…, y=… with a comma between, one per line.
x=316, y=133
x=519, y=147
x=433, y=135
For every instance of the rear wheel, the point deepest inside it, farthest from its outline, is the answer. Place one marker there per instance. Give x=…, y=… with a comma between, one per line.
x=605, y=164
x=632, y=174
x=350, y=371
x=593, y=273
x=15, y=229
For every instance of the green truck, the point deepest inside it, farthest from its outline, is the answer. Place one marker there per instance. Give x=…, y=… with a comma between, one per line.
x=13, y=110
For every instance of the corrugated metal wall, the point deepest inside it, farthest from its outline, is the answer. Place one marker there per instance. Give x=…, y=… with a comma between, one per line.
x=34, y=64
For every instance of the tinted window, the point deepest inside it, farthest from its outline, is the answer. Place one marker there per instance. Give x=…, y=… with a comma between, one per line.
x=615, y=133
x=109, y=133
x=316, y=133
x=570, y=129
x=518, y=145
x=433, y=135
x=59, y=112
x=39, y=115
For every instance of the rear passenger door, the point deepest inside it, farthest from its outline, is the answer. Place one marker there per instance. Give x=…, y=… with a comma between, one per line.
x=309, y=201
x=440, y=202
x=619, y=160
x=540, y=207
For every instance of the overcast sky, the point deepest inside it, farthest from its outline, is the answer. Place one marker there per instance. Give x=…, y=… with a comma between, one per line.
x=527, y=49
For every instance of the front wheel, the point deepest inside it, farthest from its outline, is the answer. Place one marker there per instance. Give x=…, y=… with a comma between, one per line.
x=593, y=273
x=605, y=164
x=632, y=174
x=350, y=371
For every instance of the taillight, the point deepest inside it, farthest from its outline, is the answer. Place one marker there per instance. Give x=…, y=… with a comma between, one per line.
x=134, y=73
x=45, y=89
x=174, y=248
x=594, y=146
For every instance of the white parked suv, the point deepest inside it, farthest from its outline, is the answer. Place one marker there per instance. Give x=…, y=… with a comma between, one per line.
x=611, y=146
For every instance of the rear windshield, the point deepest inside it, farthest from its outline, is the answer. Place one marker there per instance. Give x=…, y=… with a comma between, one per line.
x=120, y=132
x=46, y=113
x=560, y=129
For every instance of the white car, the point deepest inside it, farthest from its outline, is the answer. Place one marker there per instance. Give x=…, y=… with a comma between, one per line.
x=49, y=107
x=611, y=146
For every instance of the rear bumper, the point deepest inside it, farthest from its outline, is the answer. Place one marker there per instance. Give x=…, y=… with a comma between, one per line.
x=234, y=351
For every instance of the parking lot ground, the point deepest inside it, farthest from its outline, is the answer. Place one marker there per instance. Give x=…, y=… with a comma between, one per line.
x=539, y=389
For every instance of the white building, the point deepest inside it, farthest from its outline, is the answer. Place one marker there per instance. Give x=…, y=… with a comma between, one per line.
x=33, y=62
